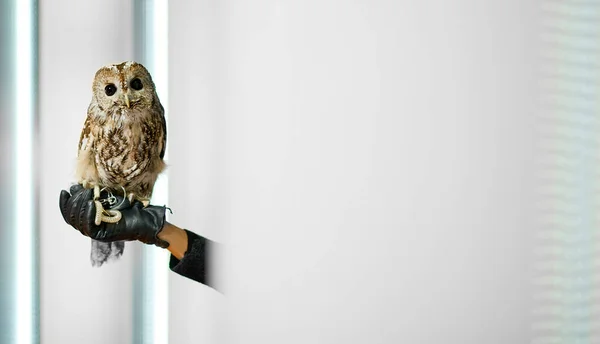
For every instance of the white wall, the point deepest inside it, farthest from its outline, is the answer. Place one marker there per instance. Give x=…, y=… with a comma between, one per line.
x=367, y=163
x=78, y=303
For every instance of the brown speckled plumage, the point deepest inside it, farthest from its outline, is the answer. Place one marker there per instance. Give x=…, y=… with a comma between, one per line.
x=123, y=140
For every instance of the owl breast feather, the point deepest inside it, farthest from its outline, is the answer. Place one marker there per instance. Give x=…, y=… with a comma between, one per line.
x=125, y=156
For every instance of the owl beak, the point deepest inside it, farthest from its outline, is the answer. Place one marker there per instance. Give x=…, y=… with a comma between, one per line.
x=127, y=100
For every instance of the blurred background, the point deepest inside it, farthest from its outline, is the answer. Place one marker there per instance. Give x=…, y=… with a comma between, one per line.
x=379, y=171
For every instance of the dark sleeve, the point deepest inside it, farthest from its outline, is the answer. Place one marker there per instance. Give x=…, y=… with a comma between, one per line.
x=195, y=263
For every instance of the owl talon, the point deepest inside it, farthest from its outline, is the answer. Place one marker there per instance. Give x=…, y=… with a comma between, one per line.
x=131, y=197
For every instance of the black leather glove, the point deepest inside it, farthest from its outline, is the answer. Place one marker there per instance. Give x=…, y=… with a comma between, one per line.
x=137, y=223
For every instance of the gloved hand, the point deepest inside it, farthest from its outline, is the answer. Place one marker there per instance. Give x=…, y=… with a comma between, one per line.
x=137, y=223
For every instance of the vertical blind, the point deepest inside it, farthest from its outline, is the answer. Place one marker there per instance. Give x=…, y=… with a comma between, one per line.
x=566, y=282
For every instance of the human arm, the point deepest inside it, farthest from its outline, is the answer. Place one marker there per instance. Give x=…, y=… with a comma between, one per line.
x=191, y=254
x=177, y=239
x=198, y=260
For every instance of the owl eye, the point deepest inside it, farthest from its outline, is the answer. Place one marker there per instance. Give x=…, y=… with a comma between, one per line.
x=110, y=89
x=136, y=84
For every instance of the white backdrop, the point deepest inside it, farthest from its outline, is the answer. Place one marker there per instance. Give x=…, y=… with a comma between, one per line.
x=367, y=164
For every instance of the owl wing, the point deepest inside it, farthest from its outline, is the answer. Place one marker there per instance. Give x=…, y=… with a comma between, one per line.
x=85, y=137
x=86, y=171
x=164, y=130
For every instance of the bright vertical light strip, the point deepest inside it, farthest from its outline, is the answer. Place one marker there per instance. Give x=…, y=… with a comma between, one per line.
x=159, y=259
x=24, y=216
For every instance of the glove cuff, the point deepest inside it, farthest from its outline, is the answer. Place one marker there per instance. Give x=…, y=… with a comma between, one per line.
x=159, y=216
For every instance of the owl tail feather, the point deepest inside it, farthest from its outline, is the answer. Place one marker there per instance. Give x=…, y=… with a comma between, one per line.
x=105, y=251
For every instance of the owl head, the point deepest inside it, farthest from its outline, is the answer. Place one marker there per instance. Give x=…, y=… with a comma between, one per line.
x=126, y=85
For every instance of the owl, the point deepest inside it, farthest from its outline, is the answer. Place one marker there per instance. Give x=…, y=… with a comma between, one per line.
x=122, y=144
